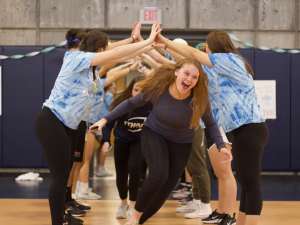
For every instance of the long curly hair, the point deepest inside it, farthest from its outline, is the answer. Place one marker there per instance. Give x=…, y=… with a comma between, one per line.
x=219, y=42
x=158, y=81
x=92, y=41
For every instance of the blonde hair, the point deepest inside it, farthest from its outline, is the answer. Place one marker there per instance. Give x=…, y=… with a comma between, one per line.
x=158, y=81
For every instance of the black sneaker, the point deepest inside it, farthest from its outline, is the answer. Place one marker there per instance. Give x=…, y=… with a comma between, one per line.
x=74, y=211
x=227, y=220
x=186, y=200
x=69, y=219
x=214, y=218
x=179, y=187
x=77, y=205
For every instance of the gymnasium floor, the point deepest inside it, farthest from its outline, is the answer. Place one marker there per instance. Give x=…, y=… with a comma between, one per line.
x=25, y=202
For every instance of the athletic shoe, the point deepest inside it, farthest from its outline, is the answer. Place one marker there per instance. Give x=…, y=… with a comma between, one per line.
x=214, y=217
x=82, y=201
x=77, y=205
x=182, y=194
x=130, y=213
x=203, y=210
x=227, y=220
x=121, y=214
x=102, y=172
x=69, y=219
x=179, y=187
x=88, y=194
x=74, y=211
x=186, y=200
x=189, y=207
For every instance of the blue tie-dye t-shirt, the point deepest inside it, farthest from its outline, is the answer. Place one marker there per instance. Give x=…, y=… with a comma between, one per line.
x=98, y=105
x=108, y=99
x=73, y=95
x=213, y=92
x=237, y=98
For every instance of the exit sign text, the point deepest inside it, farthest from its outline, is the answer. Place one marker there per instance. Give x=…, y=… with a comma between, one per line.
x=150, y=15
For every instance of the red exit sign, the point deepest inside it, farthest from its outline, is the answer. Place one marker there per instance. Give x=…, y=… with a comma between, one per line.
x=150, y=15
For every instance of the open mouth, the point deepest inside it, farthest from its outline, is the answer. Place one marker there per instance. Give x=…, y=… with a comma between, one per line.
x=185, y=86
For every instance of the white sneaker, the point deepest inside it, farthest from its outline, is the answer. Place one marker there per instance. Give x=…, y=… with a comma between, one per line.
x=102, y=172
x=189, y=207
x=130, y=213
x=121, y=214
x=204, y=210
x=182, y=194
x=88, y=194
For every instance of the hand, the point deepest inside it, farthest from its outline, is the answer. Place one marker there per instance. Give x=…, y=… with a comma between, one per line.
x=100, y=124
x=154, y=31
x=106, y=148
x=159, y=38
x=134, y=65
x=136, y=30
x=227, y=156
x=158, y=45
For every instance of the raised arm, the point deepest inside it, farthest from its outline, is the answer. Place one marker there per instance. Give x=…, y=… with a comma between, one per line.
x=114, y=76
x=134, y=35
x=177, y=57
x=151, y=62
x=104, y=69
x=183, y=50
x=103, y=58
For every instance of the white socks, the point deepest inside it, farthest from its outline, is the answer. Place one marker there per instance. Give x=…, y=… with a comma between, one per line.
x=84, y=186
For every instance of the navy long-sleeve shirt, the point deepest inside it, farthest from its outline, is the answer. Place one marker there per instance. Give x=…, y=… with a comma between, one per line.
x=170, y=117
x=128, y=127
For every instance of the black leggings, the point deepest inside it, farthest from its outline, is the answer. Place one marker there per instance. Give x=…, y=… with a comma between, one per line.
x=166, y=161
x=56, y=140
x=247, y=147
x=128, y=159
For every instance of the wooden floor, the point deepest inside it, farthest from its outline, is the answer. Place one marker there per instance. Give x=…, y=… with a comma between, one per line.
x=36, y=212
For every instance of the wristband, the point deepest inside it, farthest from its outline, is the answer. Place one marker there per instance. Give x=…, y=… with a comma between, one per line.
x=139, y=38
x=132, y=39
x=166, y=44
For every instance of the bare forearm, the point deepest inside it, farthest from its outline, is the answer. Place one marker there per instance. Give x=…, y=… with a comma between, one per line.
x=120, y=43
x=187, y=51
x=151, y=62
x=117, y=53
x=177, y=57
x=116, y=76
x=158, y=57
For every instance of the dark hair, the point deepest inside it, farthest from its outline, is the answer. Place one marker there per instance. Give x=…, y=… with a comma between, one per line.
x=92, y=41
x=80, y=36
x=72, y=33
x=219, y=42
x=127, y=93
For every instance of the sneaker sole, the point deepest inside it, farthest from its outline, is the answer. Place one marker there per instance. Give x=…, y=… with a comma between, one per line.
x=179, y=198
x=213, y=221
x=78, y=215
x=187, y=211
x=200, y=216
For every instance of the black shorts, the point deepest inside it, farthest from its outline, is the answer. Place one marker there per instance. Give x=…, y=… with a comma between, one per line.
x=80, y=142
x=210, y=141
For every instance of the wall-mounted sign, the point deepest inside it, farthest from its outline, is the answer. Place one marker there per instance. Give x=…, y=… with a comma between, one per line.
x=149, y=15
x=266, y=97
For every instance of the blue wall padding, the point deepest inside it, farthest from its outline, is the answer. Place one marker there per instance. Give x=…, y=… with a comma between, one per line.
x=22, y=101
x=276, y=66
x=295, y=112
x=1, y=142
x=52, y=63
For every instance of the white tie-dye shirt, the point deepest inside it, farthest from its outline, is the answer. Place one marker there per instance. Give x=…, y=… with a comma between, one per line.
x=237, y=98
x=73, y=95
